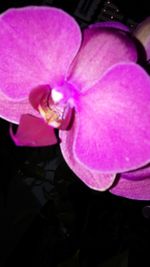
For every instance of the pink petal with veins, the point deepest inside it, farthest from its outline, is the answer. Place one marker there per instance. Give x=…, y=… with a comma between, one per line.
x=37, y=46
x=93, y=179
x=12, y=109
x=139, y=190
x=139, y=174
x=102, y=47
x=113, y=134
x=110, y=24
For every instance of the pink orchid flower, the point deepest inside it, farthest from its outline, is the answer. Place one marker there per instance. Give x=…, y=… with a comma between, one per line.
x=88, y=85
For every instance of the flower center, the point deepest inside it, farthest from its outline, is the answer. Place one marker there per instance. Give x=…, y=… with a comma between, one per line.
x=56, y=107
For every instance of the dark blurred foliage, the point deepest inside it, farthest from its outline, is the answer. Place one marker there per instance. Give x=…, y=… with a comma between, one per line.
x=137, y=10
x=49, y=217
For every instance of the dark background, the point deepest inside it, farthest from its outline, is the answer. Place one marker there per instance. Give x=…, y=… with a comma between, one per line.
x=48, y=217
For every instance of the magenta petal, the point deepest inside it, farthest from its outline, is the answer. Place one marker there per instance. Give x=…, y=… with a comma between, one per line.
x=111, y=24
x=101, y=48
x=37, y=45
x=113, y=134
x=139, y=174
x=33, y=132
x=93, y=179
x=142, y=33
x=12, y=110
x=139, y=190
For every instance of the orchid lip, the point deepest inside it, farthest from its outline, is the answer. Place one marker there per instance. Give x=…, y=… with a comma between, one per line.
x=56, y=106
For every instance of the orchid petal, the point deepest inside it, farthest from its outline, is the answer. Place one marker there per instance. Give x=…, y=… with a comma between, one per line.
x=142, y=33
x=37, y=46
x=132, y=189
x=11, y=110
x=93, y=179
x=111, y=24
x=33, y=132
x=113, y=134
x=101, y=48
x=139, y=174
